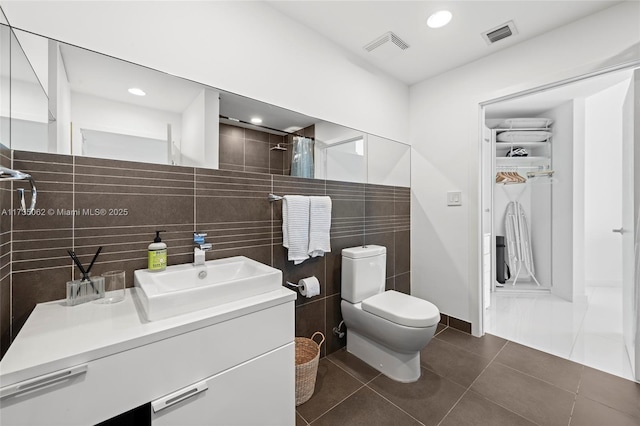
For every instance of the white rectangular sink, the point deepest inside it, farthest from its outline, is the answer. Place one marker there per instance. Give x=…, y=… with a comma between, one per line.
x=180, y=289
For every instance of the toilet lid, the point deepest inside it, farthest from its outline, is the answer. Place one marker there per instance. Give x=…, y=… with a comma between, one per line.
x=402, y=309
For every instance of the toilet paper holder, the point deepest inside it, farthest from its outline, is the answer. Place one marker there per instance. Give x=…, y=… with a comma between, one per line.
x=307, y=289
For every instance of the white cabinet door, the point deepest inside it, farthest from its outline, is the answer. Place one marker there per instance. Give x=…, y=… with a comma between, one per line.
x=257, y=392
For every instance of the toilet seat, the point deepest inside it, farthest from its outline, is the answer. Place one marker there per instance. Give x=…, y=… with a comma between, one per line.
x=402, y=309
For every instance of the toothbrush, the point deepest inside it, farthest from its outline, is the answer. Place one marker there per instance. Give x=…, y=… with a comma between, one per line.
x=85, y=273
x=94, y=259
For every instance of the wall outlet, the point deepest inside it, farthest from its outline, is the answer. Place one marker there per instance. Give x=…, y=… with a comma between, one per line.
x=454, y=198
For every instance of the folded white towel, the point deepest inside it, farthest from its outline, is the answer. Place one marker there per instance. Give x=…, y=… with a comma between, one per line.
x=295, y=227
x=319, y=226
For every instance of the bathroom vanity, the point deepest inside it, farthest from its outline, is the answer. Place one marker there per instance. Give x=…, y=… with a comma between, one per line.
x=232, y=364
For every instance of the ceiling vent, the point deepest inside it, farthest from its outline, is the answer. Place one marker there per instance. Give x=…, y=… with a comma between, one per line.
x=387, y=40
x=500, y=32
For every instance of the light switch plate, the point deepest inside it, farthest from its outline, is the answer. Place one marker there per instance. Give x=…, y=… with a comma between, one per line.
x=454, y=198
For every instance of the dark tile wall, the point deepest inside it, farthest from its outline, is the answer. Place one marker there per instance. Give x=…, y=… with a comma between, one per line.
x=456, y=323
x=231, y=206
x=249, y=150
x=5, y=254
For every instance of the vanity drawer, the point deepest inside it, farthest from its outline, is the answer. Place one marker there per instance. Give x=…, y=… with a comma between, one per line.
x=120, y=382
x=259, y=392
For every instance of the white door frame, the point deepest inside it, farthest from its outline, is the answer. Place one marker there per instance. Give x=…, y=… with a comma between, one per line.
x=484, y=146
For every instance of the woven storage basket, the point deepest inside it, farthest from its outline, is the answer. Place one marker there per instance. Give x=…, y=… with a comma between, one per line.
x=307, y=356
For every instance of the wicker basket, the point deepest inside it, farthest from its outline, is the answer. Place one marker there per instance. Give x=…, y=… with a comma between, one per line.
x=307, y=356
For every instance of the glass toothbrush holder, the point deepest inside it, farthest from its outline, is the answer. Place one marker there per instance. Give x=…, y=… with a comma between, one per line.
x=82, y=291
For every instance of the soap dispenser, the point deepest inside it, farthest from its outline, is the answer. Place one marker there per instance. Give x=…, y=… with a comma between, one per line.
x=157, y=254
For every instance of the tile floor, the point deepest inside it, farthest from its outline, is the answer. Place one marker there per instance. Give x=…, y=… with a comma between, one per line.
x=587, y=331
x=471, y=381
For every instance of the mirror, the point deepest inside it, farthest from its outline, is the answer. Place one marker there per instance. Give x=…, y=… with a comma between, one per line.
x=104, y=107
x=5, y=98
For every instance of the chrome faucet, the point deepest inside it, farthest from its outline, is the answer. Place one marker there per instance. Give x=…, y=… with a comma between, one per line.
x=200, y=248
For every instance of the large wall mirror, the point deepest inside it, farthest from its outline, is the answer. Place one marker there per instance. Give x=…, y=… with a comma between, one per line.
x=69, y=100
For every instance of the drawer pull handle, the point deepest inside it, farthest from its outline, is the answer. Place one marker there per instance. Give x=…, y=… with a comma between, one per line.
x=42, y=381
x=181, y=395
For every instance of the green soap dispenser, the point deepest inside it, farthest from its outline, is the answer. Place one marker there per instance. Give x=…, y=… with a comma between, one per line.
x=157, y=254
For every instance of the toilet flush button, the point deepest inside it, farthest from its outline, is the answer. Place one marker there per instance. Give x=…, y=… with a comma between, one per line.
x=454, y=198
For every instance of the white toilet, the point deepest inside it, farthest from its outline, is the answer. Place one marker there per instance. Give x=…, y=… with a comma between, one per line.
x=385, y=329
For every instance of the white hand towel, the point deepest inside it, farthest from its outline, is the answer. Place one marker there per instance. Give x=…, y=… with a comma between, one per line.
x=319, y=226
x=295, y=227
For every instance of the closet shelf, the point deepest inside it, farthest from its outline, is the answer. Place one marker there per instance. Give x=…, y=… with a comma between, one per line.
x=535, y=129
x=516, y=161
x=508, y=145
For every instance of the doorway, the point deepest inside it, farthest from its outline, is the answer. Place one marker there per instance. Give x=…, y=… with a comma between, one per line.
x=558, y=286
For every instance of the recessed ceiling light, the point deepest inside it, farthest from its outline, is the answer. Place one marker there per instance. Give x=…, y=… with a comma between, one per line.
x=136, y=91
x=256, y=120
x=439, y=19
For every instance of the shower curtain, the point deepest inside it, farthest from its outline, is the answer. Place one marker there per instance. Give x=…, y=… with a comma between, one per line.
x=302, y=157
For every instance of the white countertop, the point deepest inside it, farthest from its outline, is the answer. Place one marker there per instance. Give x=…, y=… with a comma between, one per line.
x=57, y=336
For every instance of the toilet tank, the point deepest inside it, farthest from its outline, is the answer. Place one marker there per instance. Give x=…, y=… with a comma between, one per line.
x=363, y=272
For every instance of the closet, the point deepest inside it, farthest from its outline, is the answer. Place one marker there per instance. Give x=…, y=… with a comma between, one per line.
x=541, y=152
x=522, y=203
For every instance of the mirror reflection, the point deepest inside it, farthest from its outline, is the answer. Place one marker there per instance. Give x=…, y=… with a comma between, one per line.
x=70, y=100
x=28, y=103
x=5, y=84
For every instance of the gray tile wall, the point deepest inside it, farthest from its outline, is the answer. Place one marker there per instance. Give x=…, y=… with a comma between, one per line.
x=231, y=206
x=5, y=255
x=248, y=150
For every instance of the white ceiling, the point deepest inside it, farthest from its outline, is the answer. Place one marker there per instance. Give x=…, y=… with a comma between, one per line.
x=353, y=24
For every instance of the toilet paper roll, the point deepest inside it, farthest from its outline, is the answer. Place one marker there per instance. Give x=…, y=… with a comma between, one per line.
x=309, y=287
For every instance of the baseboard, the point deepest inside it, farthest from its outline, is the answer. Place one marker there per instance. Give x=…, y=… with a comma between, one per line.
x=456, y=323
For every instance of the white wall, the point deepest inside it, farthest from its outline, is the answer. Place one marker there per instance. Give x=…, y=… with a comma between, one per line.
x=36, y=48
x=117, y=146
x=445, y=137
x=339, y=162
x=567, y=194
x=91, y=112
x=211, y=129
x=603, y=182
x=244, y=47
x=388, y=162
x=59, y=102
x=199, y=142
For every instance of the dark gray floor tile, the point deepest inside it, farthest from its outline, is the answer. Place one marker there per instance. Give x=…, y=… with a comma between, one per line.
x=440, y=328
x=591, y=413
x=487, y=345
x=428, y=400
x=365, y=408
x=613, y=391
x=475, y=410
x=354, y=365
x=333, y=384
x=300, y=421
x=527, y=396
x=452, y=362
x=550, y=368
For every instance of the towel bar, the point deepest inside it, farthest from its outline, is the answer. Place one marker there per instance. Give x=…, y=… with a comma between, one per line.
x=274, y=197
x=15, y=175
